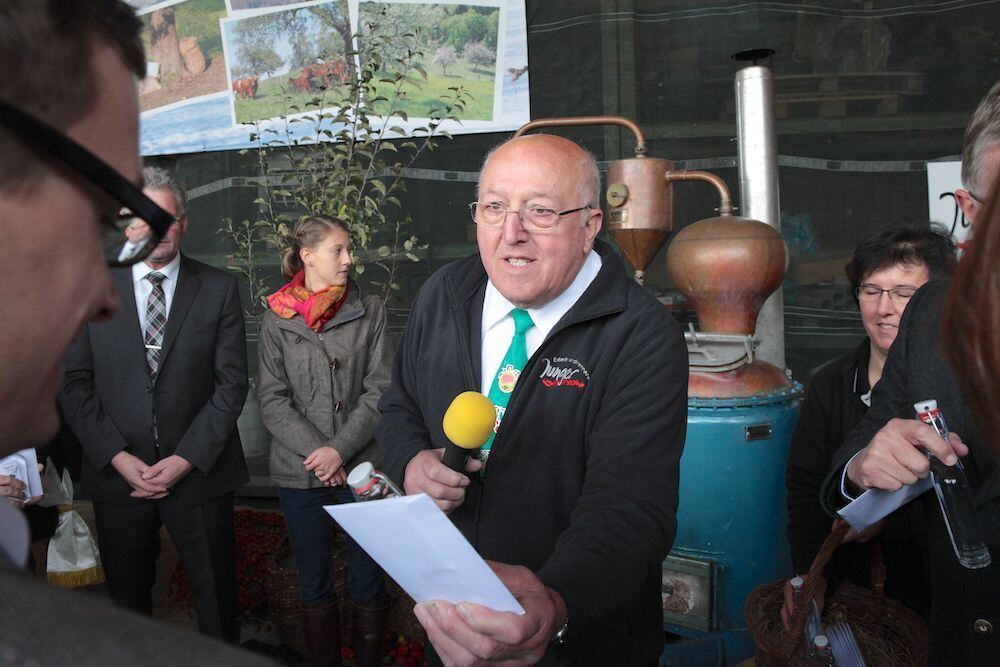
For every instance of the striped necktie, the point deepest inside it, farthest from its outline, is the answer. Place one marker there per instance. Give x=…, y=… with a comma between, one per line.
x=156, y=322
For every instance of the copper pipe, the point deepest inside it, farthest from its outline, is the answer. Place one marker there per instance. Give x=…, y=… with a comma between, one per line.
x=640, y=141
x=725, y=199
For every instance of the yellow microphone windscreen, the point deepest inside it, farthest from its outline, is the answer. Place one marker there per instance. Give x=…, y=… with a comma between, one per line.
x=469, y=420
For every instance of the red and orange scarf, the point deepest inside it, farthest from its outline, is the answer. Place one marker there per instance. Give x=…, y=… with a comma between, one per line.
x=316, y=308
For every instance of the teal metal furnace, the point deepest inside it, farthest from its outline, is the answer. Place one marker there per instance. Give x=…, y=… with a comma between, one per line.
x=731, y=523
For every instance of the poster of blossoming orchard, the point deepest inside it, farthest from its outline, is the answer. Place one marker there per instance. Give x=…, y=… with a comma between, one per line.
x=220, y=71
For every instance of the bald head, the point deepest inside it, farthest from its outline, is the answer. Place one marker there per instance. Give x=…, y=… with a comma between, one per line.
x=586, y=173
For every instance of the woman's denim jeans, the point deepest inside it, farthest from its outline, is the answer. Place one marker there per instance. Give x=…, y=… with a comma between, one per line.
x=310, y=530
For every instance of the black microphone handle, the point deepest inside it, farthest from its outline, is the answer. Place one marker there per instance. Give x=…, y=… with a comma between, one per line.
x=455, y=456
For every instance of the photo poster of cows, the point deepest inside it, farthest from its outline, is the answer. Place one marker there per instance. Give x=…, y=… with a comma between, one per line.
x=223, y=72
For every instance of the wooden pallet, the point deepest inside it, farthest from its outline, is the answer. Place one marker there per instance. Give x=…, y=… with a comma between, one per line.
x=834, y=94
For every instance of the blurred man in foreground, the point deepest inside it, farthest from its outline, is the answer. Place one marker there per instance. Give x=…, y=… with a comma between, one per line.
x=60, y=194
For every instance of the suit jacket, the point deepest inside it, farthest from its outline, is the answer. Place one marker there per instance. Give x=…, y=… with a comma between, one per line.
x=109, y=399
x=47, y=625
x=916, y=371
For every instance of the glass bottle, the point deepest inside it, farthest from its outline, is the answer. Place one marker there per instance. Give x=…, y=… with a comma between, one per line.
x=821, y=652
x=813, y=625
x=367, y=483
x=955, y=497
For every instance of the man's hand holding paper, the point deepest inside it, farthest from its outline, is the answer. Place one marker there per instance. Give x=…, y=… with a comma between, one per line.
x=468, y=634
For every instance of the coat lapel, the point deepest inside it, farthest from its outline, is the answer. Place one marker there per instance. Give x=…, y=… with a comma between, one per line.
x=188, y=284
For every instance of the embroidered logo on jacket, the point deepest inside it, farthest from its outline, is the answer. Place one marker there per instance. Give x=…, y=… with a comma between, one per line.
x=563, y=372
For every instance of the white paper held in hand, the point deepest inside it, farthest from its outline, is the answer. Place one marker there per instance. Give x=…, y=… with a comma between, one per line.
x=418, y=546
x=875, y=504
x=24, y=466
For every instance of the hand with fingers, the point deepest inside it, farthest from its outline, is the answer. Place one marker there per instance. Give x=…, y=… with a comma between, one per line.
x=895, y=457
x=326, y=463
x=338, y=478
x=427, y=473
x=470, y=634
x=13, y=490
x=132, y=468
x=168, y=471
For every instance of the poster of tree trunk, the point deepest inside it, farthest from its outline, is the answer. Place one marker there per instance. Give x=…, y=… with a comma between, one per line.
x=222, y=71
x=184, y=49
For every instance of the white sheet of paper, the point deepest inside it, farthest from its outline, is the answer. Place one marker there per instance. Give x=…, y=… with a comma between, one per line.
x=875, y=504
x=418, y=546
x=24, y=466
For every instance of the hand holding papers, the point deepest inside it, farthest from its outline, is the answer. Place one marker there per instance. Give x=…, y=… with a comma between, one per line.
x=23, y=465
x=419, y=547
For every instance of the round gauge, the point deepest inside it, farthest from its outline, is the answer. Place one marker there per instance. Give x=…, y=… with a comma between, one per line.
x=617, y=194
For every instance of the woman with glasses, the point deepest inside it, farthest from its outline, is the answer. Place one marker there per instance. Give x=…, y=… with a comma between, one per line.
x=324, y=363
x=885, y=271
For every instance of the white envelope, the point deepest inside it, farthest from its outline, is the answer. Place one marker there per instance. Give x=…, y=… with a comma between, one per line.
x=418, y=546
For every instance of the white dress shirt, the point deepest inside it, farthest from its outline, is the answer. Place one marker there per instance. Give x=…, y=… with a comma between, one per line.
x=143, y=288
x=498, y=324
x=14, y=534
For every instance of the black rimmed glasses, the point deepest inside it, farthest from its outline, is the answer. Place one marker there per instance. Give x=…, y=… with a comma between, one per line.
x=899, y=295
x=57, y=147
x=533, y=218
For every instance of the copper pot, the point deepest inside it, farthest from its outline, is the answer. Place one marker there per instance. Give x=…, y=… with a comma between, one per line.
x=727, y=267
x=753, y=379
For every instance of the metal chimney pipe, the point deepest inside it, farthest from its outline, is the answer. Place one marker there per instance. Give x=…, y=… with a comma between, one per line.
x=758, y=164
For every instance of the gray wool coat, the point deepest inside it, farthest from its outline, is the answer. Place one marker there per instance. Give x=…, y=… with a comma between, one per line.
x=323, y=388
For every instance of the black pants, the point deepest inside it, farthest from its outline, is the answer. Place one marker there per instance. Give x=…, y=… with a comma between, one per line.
x=129, y=540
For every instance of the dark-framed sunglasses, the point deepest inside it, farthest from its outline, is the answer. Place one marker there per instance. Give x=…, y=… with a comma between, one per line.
x=57, y=147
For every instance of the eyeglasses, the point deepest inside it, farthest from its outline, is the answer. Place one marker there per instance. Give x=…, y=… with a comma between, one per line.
x=57, y=147
x=899, y=295
x=533, y=218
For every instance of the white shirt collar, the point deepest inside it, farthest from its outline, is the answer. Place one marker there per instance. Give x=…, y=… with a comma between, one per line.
x=140, y=270
x=496, y=307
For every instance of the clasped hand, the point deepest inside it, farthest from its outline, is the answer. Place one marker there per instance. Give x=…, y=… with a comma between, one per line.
x=325, y=462
x=150, y=482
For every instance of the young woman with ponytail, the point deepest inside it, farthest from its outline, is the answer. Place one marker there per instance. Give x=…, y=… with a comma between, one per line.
x=324, y=362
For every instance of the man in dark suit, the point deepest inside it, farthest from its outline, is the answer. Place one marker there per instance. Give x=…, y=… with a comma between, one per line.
x=153, y=395
x=886, y=450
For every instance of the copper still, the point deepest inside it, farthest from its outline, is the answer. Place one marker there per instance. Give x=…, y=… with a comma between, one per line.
x=640, y=203
x=726, y=266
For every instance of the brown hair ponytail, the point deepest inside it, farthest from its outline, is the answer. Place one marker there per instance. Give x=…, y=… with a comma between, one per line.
x=309, y=233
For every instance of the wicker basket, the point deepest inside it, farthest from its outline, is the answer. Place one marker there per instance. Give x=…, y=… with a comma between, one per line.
x=283, y=594
x=888, y=633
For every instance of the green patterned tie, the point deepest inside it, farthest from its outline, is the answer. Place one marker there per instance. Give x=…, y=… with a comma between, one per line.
x=507, y=374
